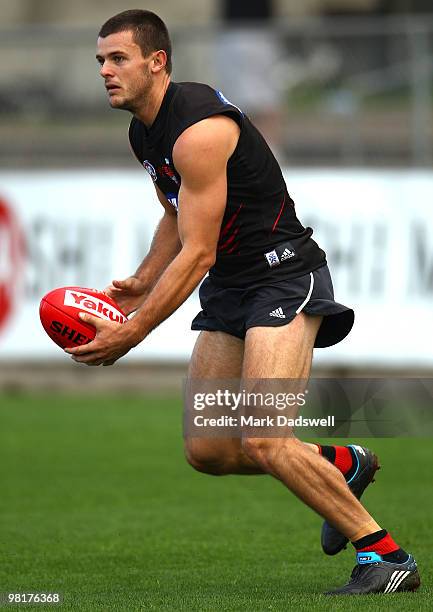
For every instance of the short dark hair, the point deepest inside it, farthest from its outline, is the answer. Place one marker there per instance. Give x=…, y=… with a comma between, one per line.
x=149, y=31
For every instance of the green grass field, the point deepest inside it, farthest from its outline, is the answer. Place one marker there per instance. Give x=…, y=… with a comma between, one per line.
x=98, y=503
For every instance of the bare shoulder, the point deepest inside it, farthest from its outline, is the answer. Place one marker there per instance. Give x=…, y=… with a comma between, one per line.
x=213, y=138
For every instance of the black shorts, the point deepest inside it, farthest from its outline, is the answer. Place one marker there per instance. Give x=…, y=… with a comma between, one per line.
x=234, y=310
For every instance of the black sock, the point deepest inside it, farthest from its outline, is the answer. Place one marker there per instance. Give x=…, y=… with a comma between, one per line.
x=328, y=452
x=398, y=556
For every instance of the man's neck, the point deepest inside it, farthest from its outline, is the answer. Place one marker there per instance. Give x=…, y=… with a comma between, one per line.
x=148, y=112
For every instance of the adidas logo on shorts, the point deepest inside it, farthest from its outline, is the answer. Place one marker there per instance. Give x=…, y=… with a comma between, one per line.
x=278, y=312
x=287, y=254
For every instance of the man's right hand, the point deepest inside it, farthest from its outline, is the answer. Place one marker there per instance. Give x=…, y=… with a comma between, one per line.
x=129, y=294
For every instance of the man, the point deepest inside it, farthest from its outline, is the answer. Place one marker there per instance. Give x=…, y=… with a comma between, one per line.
x=268, y=299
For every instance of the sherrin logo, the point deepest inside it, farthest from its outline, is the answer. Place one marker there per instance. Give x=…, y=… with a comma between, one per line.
x=84, y=301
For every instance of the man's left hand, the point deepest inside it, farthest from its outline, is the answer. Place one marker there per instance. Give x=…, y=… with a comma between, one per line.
x=112, y=341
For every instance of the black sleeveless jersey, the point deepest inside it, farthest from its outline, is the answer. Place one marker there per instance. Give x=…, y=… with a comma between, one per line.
x=261, y=240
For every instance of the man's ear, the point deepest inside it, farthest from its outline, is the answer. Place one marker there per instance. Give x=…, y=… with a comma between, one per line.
x=159, y=61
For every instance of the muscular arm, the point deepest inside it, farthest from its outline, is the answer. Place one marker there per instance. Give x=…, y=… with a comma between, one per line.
x=200, y=155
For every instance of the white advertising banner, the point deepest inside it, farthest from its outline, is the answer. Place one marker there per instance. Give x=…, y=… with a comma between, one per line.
x=87, y=227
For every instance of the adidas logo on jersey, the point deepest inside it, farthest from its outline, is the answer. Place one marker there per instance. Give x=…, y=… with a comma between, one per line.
x=287, y=254
x=278, y=312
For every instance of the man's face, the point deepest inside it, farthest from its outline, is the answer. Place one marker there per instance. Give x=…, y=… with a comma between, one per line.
x=125, y=71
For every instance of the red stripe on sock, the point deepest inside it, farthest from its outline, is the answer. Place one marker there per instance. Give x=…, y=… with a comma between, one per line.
x=382, y=547
x=343, y=459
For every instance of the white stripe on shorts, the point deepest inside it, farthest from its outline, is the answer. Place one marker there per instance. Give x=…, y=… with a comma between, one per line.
x=307, y=299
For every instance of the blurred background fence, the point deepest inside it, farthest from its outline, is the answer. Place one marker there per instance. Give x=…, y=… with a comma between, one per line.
x=339, y=91
x=343, y=92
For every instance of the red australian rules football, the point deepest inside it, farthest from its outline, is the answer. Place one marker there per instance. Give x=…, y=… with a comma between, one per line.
x=60, y=309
